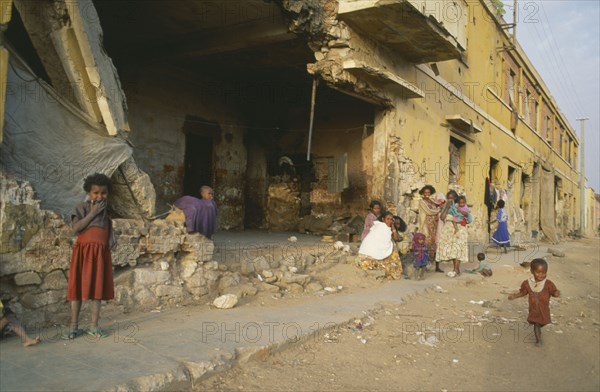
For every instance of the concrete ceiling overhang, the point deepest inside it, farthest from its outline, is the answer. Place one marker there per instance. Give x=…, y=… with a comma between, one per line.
x=233, y=39
x=386, y=79
x=398, y=25
x=463, y=124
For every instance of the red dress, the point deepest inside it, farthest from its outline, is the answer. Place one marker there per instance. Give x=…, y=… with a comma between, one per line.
x=539, y=303
x=90, y=274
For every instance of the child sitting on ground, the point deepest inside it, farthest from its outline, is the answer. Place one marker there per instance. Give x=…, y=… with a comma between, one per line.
x=9, y=319
x=460, y=212
x=484, y=267
x=421, y=255
x=539, y=289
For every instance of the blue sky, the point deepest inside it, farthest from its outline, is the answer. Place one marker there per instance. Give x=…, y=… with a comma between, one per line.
x=562, y=40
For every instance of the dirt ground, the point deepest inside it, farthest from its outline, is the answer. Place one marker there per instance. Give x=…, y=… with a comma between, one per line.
x=460, y=335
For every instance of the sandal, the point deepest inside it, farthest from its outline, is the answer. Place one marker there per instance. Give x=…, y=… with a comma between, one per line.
x=74, y=333
x=97, y=332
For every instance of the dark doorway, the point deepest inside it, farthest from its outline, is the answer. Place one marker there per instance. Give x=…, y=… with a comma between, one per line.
x=198, y=156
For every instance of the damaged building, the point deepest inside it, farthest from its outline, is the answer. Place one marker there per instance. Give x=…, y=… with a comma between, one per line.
x=297, y=112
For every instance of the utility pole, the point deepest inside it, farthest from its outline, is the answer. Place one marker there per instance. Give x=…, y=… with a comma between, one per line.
x=514, y=35
x=582, y=222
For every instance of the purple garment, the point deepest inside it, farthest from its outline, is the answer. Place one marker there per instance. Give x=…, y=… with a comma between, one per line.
x=200, y=215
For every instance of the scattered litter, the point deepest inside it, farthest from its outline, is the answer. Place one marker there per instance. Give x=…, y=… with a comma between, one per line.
x=558, y=331
x=340, y=287
x=476, y=302
x=164, y=265
x=439, y=289
x=293, y=269
x=455, y=361
x=431, y=341
x=363, y=341
x=330, y=289
x=293, y=239
x=155, y=311
x=451, y=274
x=346, y=248
x=260, y=277
x=339, y=245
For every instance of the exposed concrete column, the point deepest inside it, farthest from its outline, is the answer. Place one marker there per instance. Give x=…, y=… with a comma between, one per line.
x=75, y=61
x=379, y=153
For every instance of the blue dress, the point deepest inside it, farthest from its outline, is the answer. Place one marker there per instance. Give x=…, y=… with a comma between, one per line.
x=501, y=236
x=421, y=255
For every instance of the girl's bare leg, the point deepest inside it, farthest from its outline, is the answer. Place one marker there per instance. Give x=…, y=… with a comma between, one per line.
x=95, y=313
x=20, y=331
x=537, y=330
x=75, y=309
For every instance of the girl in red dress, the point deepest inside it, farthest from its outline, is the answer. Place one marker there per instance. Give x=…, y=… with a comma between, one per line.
x=90, y=274
x=539, y=289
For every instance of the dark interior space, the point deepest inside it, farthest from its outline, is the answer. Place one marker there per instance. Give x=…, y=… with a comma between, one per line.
x=243, y=56
x=18, y=38
x=198, y=167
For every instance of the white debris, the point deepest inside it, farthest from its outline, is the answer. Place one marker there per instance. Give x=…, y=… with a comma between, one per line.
x=339, y=245
x=340, y=287
x=226, y=301
x=293, y=269
x=293, y=239
x=451, y=274
x=476, y=302
x=164, y=265
x=431, y=341
x=346, y=248
x=455, y=361
x=330, y=289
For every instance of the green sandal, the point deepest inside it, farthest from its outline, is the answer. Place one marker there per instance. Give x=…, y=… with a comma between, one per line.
x=73, y=333
x=97, y=332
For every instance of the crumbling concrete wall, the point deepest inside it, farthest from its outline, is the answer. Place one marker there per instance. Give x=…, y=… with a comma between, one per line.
x=155, y=262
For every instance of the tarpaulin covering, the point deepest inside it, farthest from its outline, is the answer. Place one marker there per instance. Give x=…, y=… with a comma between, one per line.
x=52, y=144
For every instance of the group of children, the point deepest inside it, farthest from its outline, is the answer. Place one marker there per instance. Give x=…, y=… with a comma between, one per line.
x=538, y=288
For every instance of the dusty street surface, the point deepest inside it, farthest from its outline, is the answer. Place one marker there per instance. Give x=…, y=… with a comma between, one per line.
x=462, y=335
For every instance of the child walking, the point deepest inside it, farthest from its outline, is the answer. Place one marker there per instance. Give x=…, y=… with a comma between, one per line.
x=501, y=237
x=539, y=289
x=90, y=274
x=421, y=255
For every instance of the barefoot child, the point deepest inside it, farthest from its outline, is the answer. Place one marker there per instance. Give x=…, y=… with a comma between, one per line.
x=539, y=290
x=421, y=255
x=9, y=319
x=90, y=274
x=484, y=267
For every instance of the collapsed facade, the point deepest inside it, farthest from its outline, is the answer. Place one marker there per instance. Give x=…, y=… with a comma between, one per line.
x=288, y=108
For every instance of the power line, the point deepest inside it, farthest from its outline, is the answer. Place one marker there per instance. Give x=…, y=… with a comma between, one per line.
x=553, y=69
x=568, y=76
